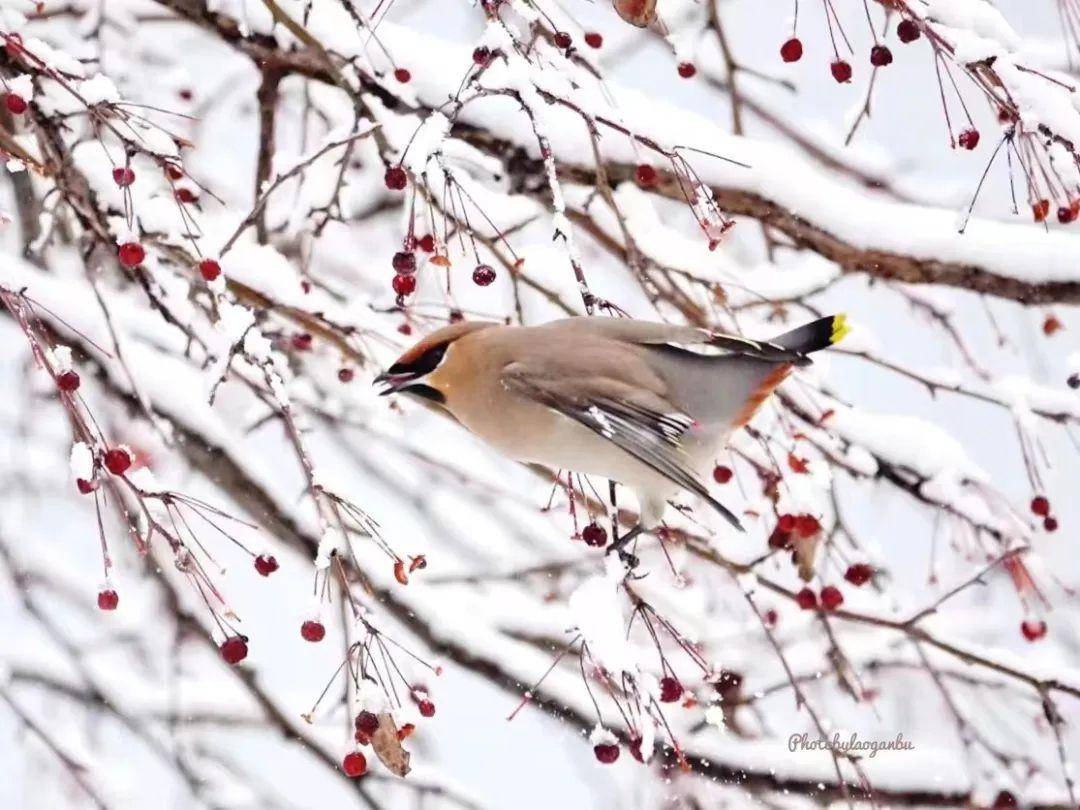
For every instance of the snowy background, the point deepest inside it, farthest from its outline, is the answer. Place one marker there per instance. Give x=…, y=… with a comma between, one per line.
x=134, y=707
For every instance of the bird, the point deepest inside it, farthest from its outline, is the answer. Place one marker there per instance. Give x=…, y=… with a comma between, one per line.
x=647, y=405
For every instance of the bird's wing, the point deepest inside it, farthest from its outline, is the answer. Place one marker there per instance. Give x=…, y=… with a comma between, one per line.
x=637, y=421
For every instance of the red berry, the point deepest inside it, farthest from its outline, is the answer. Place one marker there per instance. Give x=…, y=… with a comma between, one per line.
x=859, y=573
x=404, y=262
x=186, y=196
x=635, y=749
x=15, y=103
x=312, y=631
x=68, y=381
x=404, y=285
x=606, y=752
x=1050, y=524
x=117, y=460
x=209, y=269
x=807, y=526
x=831, y=598
x=402, y=75
x=367, y=722
x=841, y=71
x=670, y=689
x=771, y=617
x=645, y=175
x=354, y=764
x=395, y=178
x=594, y=40
x=173, y=172
x=563, y=40
x=880, y=56
x=1033, y=630
x=721, y=474
x=426, y=243
x=1073, y=381
x=483, y=275
x=1040, y=506
x=123, y=176
x=345, y=375
x=427, y=708
x=687, y=70
x=131, y=254
x=108, y=599
x=791, y=51
x=908, y=31
x=404, y=329
x=1004, y=801
x=806, y=599
x=1065, y=214
x=266, y=564
x=85, y=487
x=302, y=341
x=234, y=649
x=969, y=138
x=786, y=524
x=594, y=535
x=1040, y=210
x=481, y=55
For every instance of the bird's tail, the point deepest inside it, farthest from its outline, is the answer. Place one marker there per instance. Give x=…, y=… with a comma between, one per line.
x=814, y=336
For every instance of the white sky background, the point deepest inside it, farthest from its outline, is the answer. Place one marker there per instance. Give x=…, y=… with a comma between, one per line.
x=533, y=762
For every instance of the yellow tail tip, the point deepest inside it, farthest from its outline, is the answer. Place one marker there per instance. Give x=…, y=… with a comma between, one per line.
x=840, y=328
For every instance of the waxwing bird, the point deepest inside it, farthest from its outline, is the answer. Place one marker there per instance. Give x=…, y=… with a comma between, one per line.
x=647, y=405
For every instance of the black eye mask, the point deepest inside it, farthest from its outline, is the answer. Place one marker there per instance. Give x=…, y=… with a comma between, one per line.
x=424, y=364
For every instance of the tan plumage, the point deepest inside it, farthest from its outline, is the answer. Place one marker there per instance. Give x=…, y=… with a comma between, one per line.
x=645, y=404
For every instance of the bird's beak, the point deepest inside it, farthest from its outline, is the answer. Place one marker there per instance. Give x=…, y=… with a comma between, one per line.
x=393, y=382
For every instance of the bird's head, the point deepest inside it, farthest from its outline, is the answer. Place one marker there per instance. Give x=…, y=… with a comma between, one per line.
x=411, y=373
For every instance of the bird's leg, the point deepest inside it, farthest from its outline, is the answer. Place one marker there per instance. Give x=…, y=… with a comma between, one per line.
x=618, y=544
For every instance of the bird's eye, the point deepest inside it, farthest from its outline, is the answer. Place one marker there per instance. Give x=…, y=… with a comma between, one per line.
x=424, y=364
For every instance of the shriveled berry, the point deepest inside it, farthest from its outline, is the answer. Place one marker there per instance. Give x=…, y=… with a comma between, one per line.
x=404, y=262
x=722, y=474
x=345, y=375
x=108, y=599
x=367, y=722
x=880, y=56
x=426, y=708
x=831, y=598
x=481, y=55
x=402, y=75
x=606, y=753
x=302, y=341
x=483, y=275
x=15, y=103
x=771, y=617
x=687, y=70
x=173, y=172
x=1050, y=524
x=806, y=599
x=426, y=243
x=594, y=535
x=404, y=285
x=117, y=460
x=1073, y=381
x=645, y=175
x=266, y=564
x=234, y=649
x=85, y=487
x=807, y=526
x=908, y=31
x=791, y=51
x=1040, y=505
x=1040, y=210
x=68, y=381
x=670, y=689
x=1004, y=801
x=209, y=269
x=594, y=40
x=1065, y=214
x=131, y=254
x=859, y=573
x=312, y=631
x=354, y=764
x=396, y=178
x=779, y=539
x=1033, y=630
x=841, y=71
x=563, y=40
x=123, y=176
x=635, y=749
x=186, y=196
x=969, y=138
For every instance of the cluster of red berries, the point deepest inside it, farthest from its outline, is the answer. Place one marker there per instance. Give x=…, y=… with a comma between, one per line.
x=1040, y=507
x=1040, y=210
x=880, y=55
x=792, y=527
x=831, y=598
